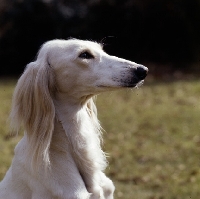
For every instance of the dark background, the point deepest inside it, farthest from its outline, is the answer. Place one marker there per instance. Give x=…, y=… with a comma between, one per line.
x=162, y=34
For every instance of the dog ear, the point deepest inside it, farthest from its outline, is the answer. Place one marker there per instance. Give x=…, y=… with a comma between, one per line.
x=34, y=110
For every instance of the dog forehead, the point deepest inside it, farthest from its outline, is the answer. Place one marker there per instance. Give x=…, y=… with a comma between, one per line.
x=81, y=44
x=71, y=47
x=75, y=43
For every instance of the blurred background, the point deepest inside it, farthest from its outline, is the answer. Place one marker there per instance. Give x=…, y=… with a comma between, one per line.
x=163, y=34
x=152, y=133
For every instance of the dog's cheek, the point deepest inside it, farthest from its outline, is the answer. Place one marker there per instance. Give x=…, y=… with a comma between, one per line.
x=83, y=64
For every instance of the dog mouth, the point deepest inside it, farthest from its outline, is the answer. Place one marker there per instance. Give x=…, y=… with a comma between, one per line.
x=132, y=85
x=122, y=85
x=135, y=79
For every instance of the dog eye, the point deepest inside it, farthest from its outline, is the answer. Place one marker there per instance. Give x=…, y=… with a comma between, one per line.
x=86, y=55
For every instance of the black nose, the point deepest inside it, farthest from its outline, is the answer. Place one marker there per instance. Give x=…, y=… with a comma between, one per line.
x=141, y=72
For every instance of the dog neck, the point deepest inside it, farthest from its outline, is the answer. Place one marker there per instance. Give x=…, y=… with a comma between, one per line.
x=81, y=131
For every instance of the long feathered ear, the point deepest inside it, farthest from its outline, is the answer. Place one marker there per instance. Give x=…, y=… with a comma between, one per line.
x=34, y=110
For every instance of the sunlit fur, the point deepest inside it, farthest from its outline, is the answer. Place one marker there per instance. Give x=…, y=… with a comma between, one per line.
x=60, y=155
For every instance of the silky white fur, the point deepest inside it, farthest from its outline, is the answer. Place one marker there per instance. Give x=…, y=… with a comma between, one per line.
x=60, y=155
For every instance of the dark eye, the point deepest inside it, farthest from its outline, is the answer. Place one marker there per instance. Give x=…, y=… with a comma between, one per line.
x=86, y=55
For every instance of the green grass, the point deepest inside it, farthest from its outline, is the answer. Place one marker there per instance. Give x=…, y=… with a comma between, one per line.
x=7, y=142
x=152, y=136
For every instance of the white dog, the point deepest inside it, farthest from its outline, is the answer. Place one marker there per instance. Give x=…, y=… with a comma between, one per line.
x=60, y=155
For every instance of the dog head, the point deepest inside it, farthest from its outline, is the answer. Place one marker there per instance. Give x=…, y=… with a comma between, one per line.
x=83, y=68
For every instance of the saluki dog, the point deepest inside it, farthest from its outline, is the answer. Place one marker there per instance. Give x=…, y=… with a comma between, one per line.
x=60, y=155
